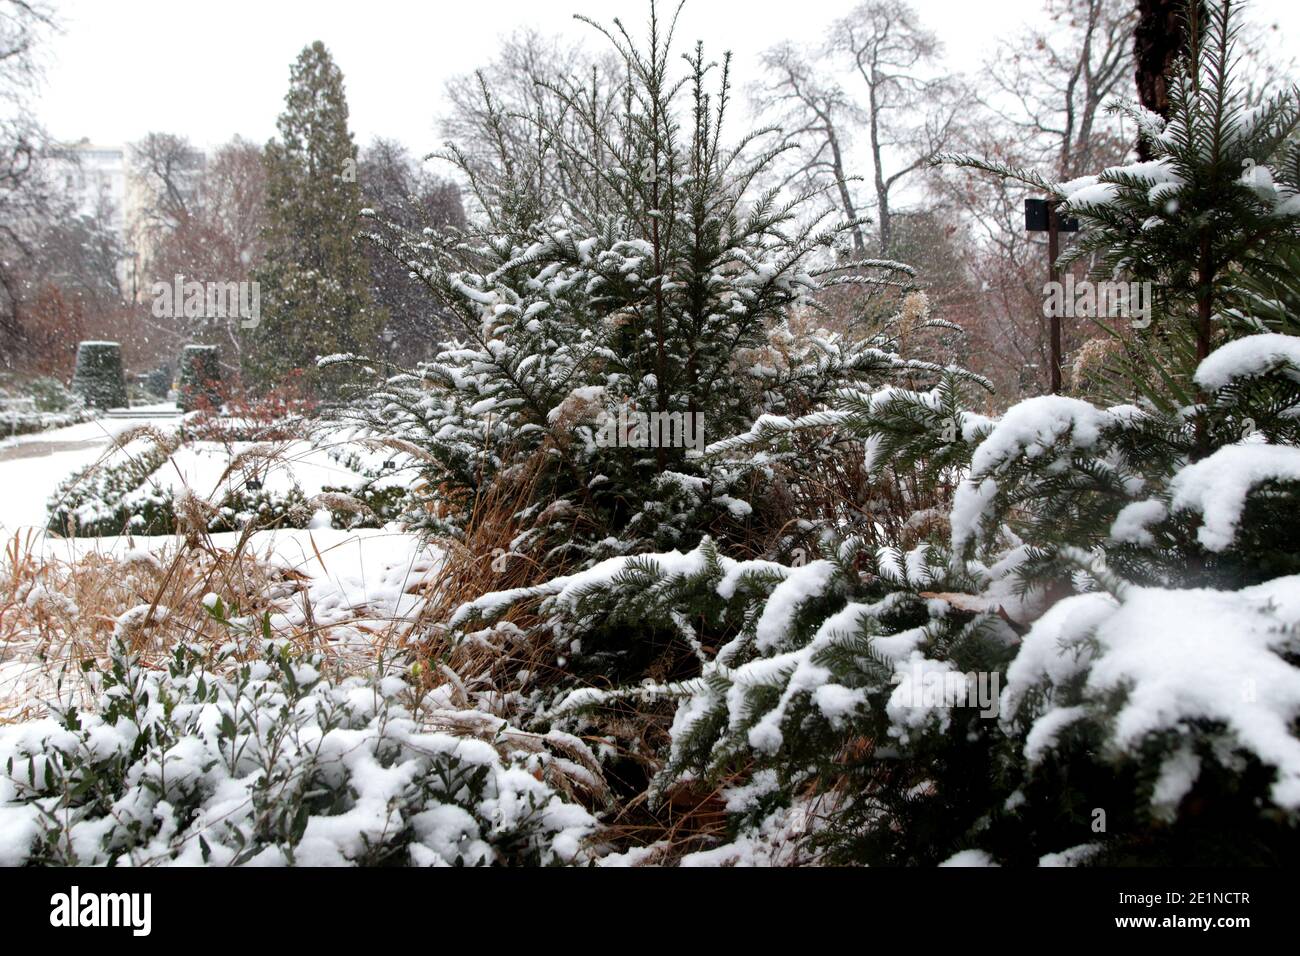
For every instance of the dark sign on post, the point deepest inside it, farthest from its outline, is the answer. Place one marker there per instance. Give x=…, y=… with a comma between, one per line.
x=1036, y=218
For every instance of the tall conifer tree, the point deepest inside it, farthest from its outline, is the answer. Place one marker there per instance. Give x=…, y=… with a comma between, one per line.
x=313, y=283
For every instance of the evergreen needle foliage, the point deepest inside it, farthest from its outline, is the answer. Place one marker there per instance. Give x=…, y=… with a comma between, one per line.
x=314, y=298
x=1218, y=199
x=655, y=285
x=1080, y=644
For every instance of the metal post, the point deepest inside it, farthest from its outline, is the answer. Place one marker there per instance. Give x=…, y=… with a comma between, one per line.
x=1054, y=275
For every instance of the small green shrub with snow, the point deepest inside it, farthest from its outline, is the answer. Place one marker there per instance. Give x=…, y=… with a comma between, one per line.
x=90, y=501
x=117, y=499
x=268, y=762
x=37, y=404
x=98, y=378
x=49, y=395
x=1203, y=497
x=123, y=494
x=158, y=382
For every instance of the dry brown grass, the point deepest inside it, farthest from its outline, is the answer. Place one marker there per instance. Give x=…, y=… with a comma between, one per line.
x=61, y=603
x=57, y=613
x=492, y=555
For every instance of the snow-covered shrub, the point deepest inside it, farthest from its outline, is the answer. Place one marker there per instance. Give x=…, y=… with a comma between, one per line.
x=659, y=286
x=50, y=395
x=806, y=684
x=98, y=378
x=153, y=479
x=1203, y=497
x=114, y=499
x=38, y=404
x=268, y=762
x=90, y=501
x=1104, y=654
x=282, y=413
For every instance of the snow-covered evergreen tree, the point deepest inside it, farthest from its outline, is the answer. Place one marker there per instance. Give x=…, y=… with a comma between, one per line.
x=604, y=341
x=1217, y=197
x=1097, y=662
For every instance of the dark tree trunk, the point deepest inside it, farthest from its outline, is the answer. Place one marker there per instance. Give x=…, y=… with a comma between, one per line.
x=1159, y=38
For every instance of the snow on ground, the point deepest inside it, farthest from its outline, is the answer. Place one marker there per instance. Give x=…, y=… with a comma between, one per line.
x=356, y=587
x=31, y=466
x=201, y=465
x=373, y=574
x=100, y=430
x=363, y=589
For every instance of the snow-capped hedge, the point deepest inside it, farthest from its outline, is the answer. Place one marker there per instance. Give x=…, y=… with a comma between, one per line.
x=138, y=488
x=16, y=420
x=36, y=405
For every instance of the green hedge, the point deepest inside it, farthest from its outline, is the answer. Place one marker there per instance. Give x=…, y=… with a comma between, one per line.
x=98, y=378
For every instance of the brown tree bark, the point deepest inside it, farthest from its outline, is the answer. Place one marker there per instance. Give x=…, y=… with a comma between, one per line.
x=1159, y=39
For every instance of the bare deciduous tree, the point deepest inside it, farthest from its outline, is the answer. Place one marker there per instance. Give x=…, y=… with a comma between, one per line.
x=815, y=116
x=24, y=26
x=1042, y=105
x=1052, y=86
x=404, y=192
x=207, y=220
x=911, y=114
x=24, y=194
x=165, y=168
x=498, y=112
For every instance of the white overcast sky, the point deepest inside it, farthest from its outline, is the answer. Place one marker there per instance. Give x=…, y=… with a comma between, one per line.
x=209, y=69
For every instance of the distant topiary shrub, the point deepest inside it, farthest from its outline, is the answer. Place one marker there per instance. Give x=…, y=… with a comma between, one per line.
x=159, y=381
x=200, y=377
x=98, y=378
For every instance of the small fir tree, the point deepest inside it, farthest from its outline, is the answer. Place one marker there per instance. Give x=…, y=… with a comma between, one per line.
x=603, y=339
